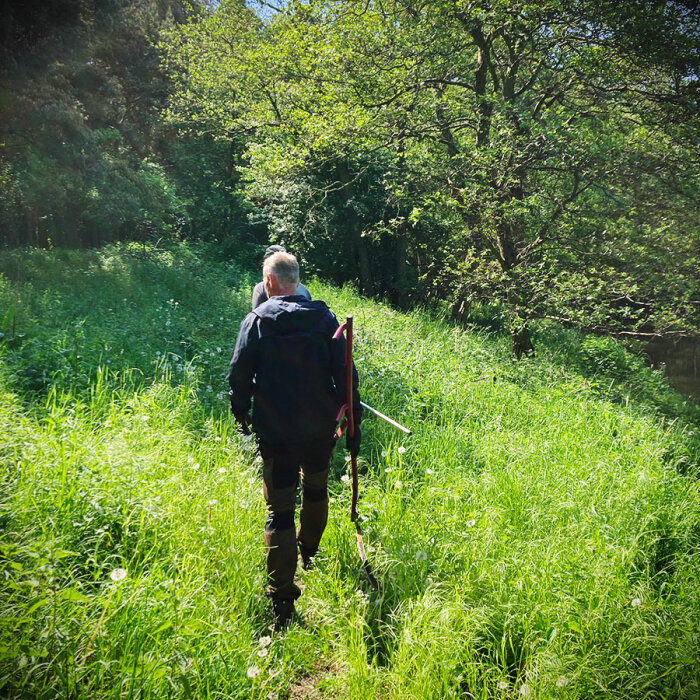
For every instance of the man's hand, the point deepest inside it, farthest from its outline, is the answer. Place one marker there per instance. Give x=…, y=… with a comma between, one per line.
x=243, y=423
x=353, y=443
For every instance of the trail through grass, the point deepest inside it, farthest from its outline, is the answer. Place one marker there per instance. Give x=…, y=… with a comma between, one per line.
x=538, y=535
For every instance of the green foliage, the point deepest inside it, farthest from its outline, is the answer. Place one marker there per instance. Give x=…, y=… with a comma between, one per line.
x=529, y=154
x=537, y=534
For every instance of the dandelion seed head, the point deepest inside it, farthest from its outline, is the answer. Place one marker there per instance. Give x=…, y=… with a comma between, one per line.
x=502, y=685
x=345, y=479
x=387, y=470
x=195, y=465
x=217, y=439
x=265, y=641
x=262, y=653
x=561, y=681
x=636, y=602
x=253, y=672
x=383, y=453
x=429, y=471
x=470, y=523
x=118, y=575
x=525, y=690
x=347, y=458
x=222, y=470
x=398, y=485
x=401, y=450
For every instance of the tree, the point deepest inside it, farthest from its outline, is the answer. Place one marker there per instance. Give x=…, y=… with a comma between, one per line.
x=81, y=153
x=518, y=128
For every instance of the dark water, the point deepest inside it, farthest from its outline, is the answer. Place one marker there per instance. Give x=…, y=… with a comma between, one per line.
x=681, y=358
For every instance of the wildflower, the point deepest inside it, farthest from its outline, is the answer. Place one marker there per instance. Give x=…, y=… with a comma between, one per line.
x=345, y=479
x=218, y=349
x=421, y=556
x=636, y=602
x=167, y=323
x=398, y=485
x=401, y=450
x=262, y=653
x=470, y=523
x=222, y=470
x=429, y=471
x=217, y=439
x=210, y=387
x=118, y=575
x=347, y=458
x=265, y=641
x=190, y=460
x=524, y=690
x=383, y=453
x=221, y=318
x=502, y=685
x=561, y=681
x=213, y=502
x=195, y=465
x=253, y=672
x=387, y=470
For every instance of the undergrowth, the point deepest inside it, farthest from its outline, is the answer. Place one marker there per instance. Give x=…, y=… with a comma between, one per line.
x=537, y=535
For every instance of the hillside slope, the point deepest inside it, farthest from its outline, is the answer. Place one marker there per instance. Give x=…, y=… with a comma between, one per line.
x=538, y=534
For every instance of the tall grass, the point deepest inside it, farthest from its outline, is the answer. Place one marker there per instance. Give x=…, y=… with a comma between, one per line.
x=538, y=535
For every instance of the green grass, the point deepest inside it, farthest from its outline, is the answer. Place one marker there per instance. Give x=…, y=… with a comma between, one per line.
x=538, y=535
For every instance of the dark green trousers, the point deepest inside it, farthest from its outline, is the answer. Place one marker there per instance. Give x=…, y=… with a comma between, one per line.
x=283, y=465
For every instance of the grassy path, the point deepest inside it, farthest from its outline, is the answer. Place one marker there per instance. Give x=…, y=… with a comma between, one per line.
x=537, y=536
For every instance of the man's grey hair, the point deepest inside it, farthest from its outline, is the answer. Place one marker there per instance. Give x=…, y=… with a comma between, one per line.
x=284, y=266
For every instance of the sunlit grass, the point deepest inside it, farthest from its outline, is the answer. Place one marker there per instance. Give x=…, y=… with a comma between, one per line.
x=532, y=537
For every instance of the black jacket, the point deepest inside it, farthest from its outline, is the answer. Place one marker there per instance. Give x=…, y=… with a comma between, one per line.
x=286, y=362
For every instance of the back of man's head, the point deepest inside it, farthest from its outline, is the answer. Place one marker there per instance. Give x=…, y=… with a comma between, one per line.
x=285, y=268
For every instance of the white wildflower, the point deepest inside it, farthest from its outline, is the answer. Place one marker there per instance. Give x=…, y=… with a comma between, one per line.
x=401, y=450
x=429, y=471
x=217, y=439
x=253, y=672
x=118, y=575
x=525, y=690
x=387, y=470
x=398, y=485
x=262, y=653
x=222, y=470
x=383, y=453
x=190, y=460
x=636, y=602
x=218, y=349
x=348, y=458
x=561, y=681
x=195, y=465
x=345, y=479
x=502, y=685
x=470, y=523
x=265, y=641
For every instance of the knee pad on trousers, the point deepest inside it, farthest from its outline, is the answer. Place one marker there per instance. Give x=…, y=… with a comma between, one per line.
x=280, y=521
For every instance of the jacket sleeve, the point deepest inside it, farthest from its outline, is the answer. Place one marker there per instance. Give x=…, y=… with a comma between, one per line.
x=241, y=370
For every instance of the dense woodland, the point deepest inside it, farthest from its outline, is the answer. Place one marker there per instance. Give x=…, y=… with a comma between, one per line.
x=512, y=160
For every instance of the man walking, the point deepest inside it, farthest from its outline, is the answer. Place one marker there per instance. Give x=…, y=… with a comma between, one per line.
x=288, y=364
